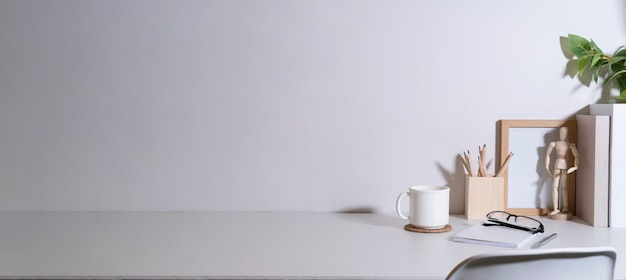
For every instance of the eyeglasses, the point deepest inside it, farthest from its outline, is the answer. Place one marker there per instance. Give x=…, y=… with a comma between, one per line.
x=501, y=218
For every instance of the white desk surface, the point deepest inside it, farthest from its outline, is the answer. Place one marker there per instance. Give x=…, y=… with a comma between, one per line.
x=248, y=245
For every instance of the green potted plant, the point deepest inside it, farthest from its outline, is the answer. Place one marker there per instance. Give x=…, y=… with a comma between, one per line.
x=593, y=64
x=611, y=68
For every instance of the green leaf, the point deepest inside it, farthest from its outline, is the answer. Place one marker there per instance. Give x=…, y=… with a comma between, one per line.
x=582, y=64
x=622, y=95
x=595, y=47
x=595, y=59
x=578, y=45
x=615, y=74
x=621, y=52
x=616, y=59
x=596, y=74
x=621, y=83
x=618, y=66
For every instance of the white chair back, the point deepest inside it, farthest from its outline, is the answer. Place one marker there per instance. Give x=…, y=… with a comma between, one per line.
x=560, y=263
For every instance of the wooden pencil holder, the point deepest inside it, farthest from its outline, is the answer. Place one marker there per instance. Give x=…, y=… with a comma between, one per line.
x=483, y=195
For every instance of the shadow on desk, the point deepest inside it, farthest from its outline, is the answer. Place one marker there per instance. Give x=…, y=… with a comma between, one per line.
x=383, y=220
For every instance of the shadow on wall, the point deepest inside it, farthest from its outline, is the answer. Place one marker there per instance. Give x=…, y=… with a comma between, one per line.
x=456, y=181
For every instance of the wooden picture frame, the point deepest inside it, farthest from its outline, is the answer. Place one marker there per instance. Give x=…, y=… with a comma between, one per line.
x=526, y=193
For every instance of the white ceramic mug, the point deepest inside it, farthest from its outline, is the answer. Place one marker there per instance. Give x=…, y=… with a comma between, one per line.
x=428, y=206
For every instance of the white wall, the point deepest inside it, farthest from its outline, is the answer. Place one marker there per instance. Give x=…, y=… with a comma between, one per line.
x=272, y=105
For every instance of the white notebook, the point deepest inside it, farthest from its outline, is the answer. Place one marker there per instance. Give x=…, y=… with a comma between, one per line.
x=495, y=236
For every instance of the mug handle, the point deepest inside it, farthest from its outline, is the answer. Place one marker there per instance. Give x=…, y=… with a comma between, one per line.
x=398, y=210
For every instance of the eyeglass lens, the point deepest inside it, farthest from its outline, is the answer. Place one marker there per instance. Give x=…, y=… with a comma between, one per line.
x=520, y=221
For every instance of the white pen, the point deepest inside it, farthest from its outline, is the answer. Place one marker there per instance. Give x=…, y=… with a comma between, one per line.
x=545, y=240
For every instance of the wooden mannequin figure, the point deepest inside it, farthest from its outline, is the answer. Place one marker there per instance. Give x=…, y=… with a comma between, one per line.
x=559, y=175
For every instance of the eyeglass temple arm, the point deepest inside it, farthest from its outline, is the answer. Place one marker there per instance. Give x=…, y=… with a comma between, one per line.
x=497, y=223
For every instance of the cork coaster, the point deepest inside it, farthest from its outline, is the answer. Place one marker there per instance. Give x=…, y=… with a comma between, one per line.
x=412, y=228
